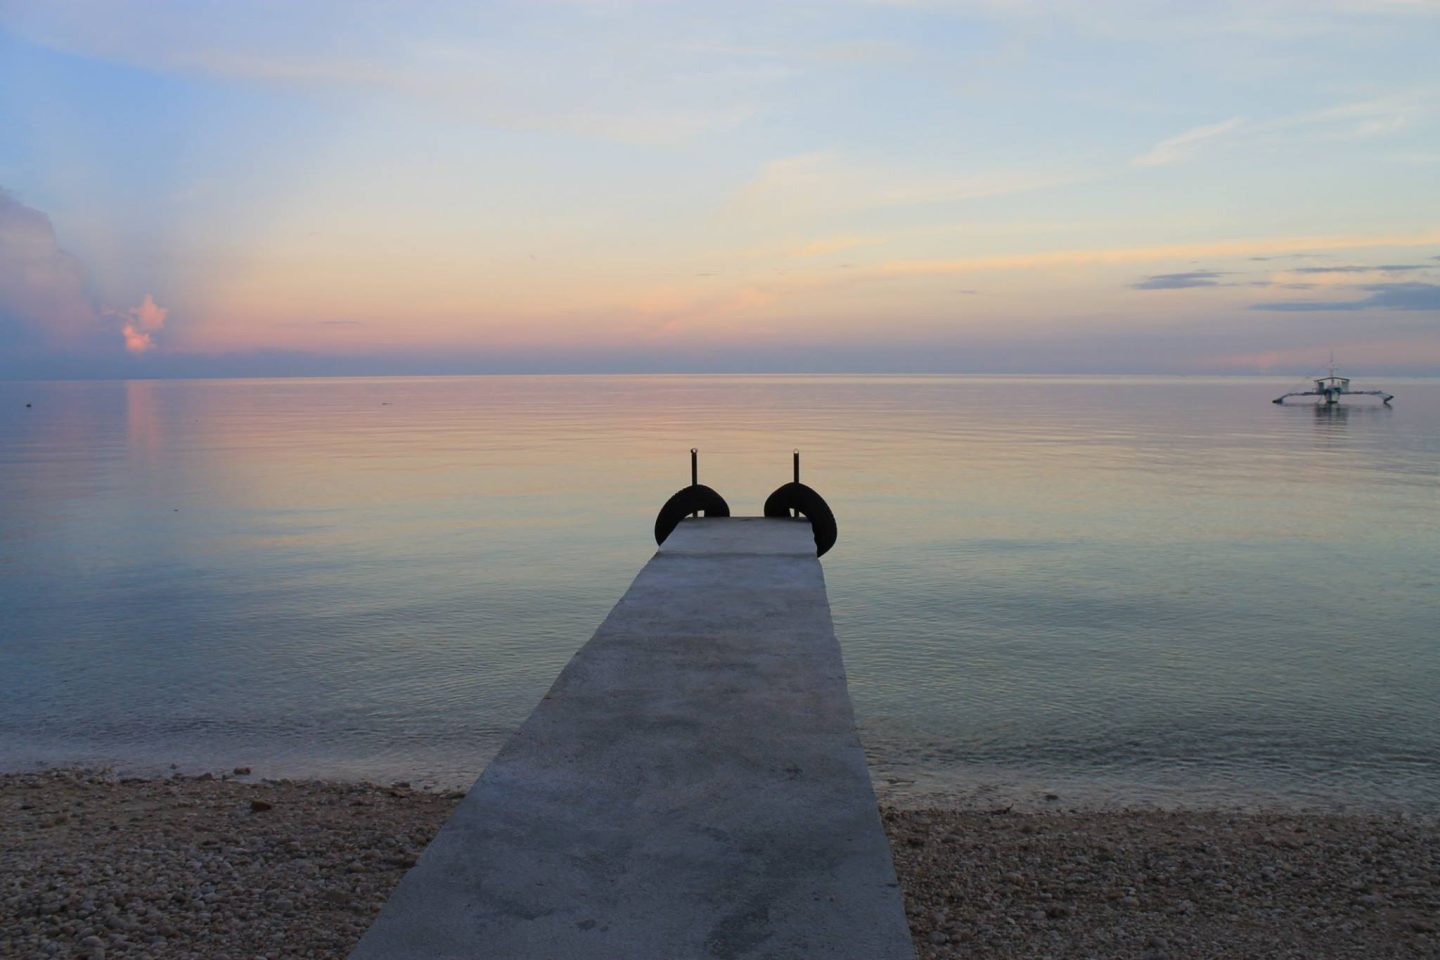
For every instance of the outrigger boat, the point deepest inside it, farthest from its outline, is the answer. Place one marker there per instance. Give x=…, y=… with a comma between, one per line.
x=1332, y=388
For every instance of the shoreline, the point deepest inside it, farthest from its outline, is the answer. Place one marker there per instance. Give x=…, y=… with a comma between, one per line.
x=94, y=865
x=973, y=788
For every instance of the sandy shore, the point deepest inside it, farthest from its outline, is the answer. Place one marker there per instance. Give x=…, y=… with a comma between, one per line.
x=214, y=867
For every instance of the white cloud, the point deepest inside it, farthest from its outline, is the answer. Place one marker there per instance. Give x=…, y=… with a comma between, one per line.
x=825, y=183
x=1180, y=147
x=605, y=76
x=1363, y=119
x=1351, y=120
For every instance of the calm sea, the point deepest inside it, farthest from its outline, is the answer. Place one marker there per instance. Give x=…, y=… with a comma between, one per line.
x=1109, y=590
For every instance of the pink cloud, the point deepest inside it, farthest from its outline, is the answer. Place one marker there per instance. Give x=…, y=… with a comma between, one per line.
x=141, y=325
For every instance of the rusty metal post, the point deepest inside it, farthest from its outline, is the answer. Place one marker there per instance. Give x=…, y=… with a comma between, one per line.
x=694, y=471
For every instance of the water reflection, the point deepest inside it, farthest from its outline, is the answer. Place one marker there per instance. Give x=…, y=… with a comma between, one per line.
x=142, y=428
x=1073, y=579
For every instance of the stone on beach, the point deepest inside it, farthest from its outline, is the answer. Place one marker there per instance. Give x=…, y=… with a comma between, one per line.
x=173, y=868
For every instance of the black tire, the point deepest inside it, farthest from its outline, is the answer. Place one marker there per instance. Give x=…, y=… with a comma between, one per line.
x=696, y=498
x=809, y=504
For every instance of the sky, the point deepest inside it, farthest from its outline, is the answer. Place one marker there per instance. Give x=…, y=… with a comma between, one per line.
x=257, y=187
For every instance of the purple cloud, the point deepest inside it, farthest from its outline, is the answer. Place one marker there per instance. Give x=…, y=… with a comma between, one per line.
x=1179, y=281
x=1382, y=296
x=1383, y=268
x=43, y=300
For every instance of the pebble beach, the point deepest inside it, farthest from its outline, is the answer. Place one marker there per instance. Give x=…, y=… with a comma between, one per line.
x=227, y=866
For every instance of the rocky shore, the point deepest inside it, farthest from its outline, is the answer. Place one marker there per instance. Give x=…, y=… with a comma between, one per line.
x=225, y=867
x=1175, y=884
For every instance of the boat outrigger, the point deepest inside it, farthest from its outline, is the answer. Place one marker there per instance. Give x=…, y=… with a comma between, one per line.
x=1332, y=388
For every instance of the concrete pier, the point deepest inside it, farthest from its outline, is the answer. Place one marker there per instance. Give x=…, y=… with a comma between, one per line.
x=691, y=786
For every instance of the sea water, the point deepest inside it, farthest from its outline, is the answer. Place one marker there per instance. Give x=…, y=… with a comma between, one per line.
x=1075, y=591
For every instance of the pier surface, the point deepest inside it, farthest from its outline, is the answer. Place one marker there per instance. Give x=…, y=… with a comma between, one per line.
x=691, y=786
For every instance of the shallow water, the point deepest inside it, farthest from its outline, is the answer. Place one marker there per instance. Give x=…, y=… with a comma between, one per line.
x=1115, y=590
